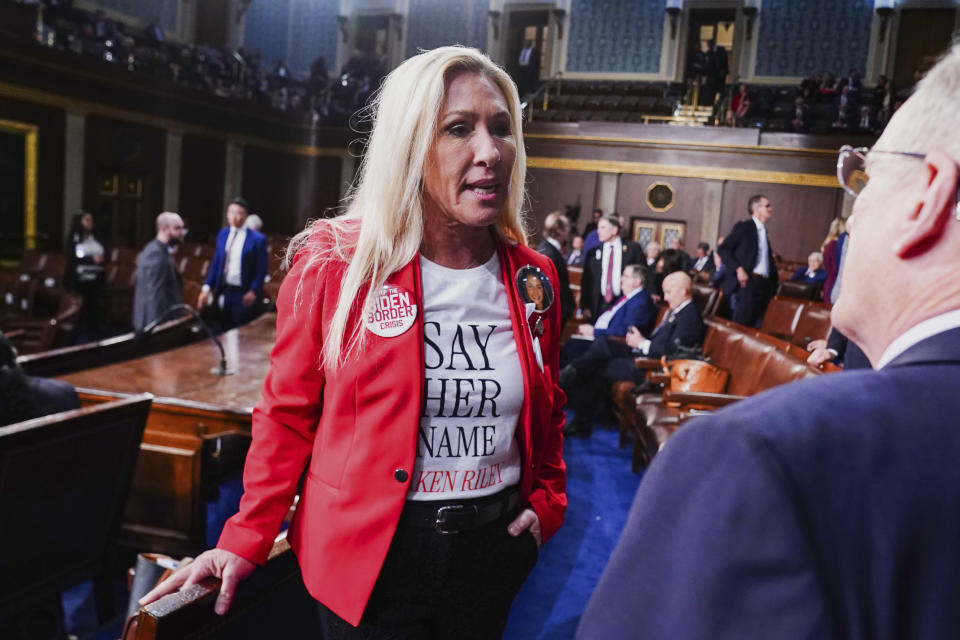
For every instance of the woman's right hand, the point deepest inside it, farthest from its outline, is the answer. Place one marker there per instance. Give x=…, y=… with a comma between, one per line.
x=219, y=563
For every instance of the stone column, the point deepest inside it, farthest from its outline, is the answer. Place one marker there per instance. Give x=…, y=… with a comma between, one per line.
x=73, y=152
x=171, y=180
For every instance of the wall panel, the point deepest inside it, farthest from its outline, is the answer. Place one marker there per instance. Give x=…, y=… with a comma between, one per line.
x=202, y=172
x=436, y=23
x=687, y=207
x=552, y=190
x=798, y=37
x=800, y=219
x=617, y=36
x=287, y=190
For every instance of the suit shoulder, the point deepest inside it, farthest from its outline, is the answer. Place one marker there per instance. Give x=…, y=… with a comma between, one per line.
x=523, y=253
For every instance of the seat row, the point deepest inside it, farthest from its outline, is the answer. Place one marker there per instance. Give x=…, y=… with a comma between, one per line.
x=754, y=360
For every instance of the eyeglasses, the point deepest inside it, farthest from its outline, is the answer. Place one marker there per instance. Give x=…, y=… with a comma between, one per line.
x=851, y=165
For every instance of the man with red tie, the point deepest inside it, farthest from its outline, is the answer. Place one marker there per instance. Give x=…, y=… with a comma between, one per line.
x=600, y=285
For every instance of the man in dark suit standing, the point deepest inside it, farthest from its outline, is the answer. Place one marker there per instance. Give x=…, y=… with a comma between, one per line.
x=830, y=507
x=602, y=267
x=239, y=267
x=528, y=68
x=159, y=286
x=751, y=273
x=556, y=228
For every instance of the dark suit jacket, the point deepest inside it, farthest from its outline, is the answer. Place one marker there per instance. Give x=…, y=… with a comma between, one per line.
x=827, y=508
x=253, y=261
x=639, y=311
x=590, y=297
x=44, y=396
x=684, y=329
x=158, y=284
x=565, y=294
x=739, y=249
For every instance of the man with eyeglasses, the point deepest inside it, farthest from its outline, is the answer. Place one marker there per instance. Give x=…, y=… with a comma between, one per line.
x=827, y=508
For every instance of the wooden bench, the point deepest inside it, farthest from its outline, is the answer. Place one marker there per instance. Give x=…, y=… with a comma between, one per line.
x=64, y=481
x=271, y=603
x=58, y=362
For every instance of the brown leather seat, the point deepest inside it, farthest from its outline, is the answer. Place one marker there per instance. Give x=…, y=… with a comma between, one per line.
x=756, y=362
x=813, y=324
x=780, y=318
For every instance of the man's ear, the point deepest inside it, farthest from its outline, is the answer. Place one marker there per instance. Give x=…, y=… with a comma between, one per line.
x=923, y=228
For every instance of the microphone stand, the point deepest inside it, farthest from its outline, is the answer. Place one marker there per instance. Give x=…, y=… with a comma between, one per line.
x=222, y=370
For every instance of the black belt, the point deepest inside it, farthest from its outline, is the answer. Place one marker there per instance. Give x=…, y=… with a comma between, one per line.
x=232, y=288
x=454, y=516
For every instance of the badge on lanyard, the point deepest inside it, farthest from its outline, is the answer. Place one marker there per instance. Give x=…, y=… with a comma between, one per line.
x=393, y=311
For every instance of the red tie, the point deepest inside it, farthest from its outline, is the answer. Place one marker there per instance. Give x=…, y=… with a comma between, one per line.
x=608, y=296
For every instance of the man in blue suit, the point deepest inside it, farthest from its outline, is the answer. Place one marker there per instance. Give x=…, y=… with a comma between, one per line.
x=828, y=508
x=235, y=279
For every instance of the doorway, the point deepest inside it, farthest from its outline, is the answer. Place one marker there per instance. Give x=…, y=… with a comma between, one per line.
x=710, y=54
x=924, y=35
x=525, y=26
x=120, y=208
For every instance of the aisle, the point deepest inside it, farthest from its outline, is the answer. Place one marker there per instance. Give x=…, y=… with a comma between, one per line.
x=600, y=489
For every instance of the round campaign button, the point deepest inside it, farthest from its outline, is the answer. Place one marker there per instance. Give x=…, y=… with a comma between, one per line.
x=535, y=287
x=393, y=311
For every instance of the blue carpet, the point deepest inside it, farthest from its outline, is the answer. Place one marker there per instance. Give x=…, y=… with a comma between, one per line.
x=600, y=489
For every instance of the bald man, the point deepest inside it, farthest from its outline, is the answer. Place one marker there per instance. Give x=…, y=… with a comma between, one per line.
x=682, y=327
x=827, y=508
x=158, y=282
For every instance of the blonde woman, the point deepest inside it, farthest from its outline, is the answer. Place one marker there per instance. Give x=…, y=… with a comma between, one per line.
x=412, y=379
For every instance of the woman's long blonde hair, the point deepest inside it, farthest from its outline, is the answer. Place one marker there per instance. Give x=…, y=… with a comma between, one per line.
x=382, y=228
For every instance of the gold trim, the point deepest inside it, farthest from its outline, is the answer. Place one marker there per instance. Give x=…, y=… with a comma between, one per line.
x=676, y=171
x=720, y=146
x=49, y=99
x=30, y=133
x=673, y=197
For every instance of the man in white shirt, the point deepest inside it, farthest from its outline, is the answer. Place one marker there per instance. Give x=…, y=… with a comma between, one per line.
x=528, y=68
x=751, y=272
x=829, y=507
x=235, y=279
x=602, y=266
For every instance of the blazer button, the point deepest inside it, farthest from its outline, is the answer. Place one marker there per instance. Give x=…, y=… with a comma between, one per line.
x=400, y=475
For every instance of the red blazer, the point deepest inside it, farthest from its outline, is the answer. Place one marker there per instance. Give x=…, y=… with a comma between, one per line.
x=357, y=427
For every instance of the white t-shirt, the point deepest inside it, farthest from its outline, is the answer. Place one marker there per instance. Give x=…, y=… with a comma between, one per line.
x=473, y=385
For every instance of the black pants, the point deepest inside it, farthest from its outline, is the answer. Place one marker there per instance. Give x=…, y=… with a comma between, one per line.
x=599, y=364
x=437, y=586
x=752, y=300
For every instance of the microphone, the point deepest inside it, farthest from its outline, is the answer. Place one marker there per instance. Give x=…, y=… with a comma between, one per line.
x=222, y=370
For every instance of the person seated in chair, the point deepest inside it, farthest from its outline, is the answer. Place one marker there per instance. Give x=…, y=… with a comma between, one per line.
x=608, y=361
x=813, y=272
x=634, y=308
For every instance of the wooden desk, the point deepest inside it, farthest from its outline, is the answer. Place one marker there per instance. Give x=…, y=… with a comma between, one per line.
x=198, y=430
